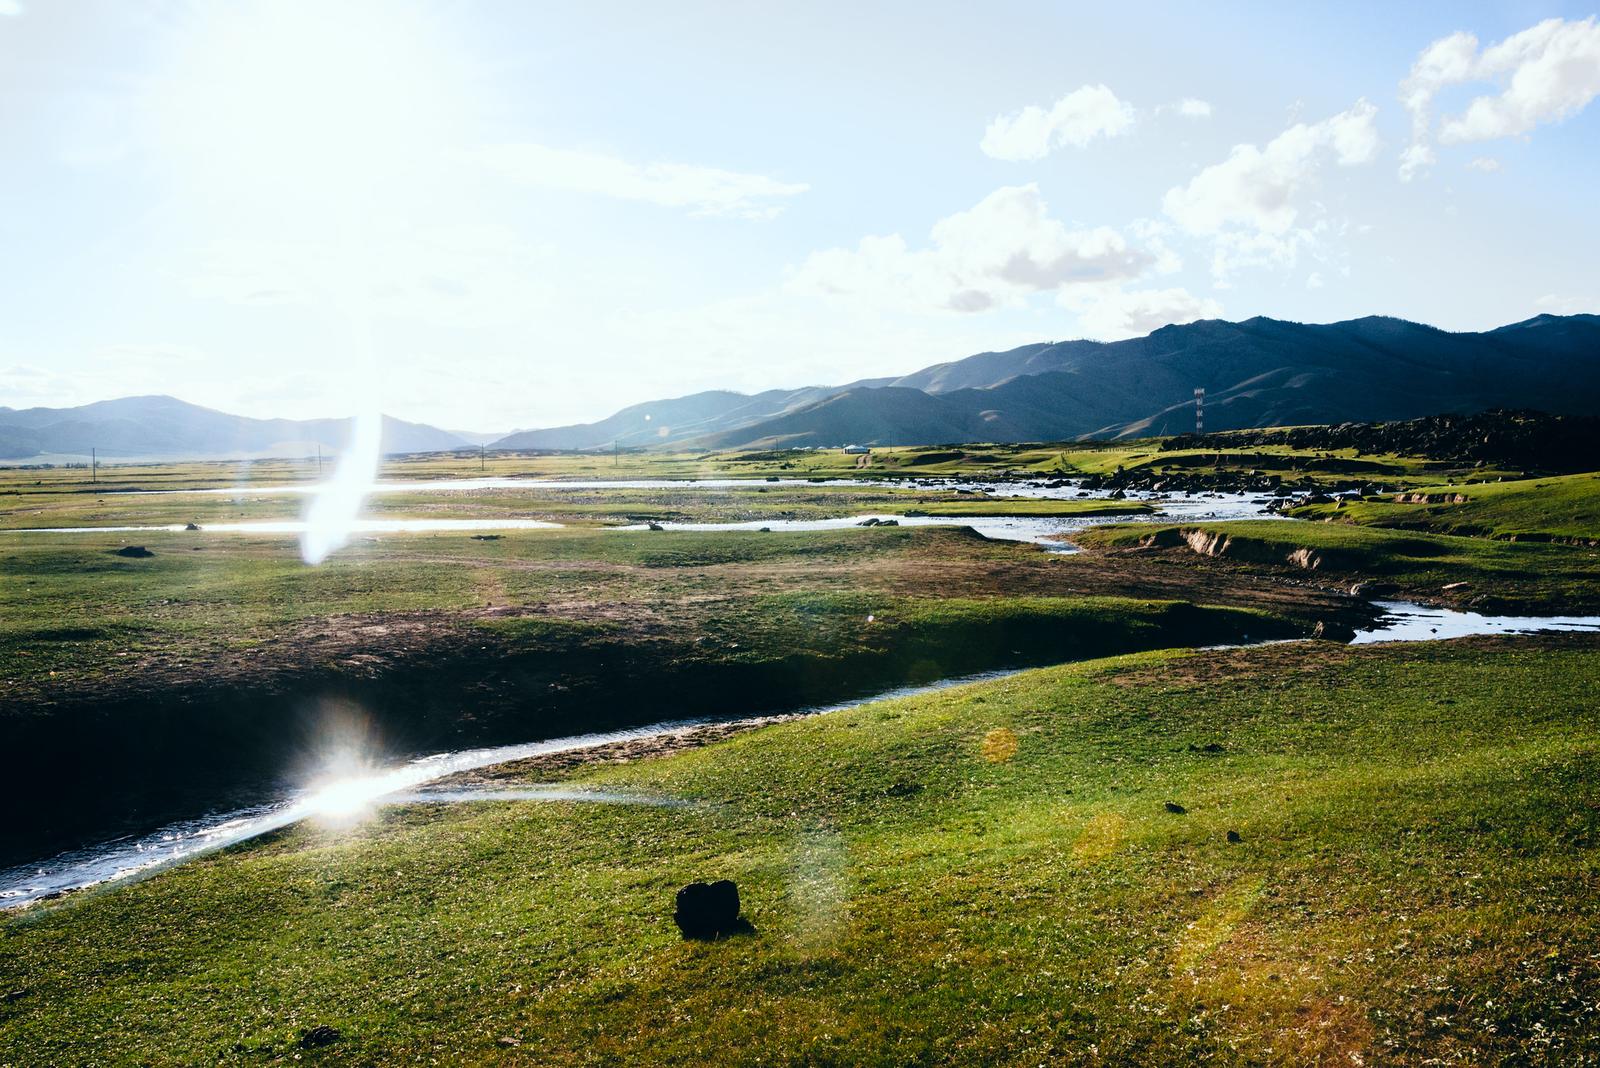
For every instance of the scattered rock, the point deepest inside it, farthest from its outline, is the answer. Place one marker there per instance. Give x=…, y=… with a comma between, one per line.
x=890, y=523
x=903, y=789
x=321, y=1035
x=708, y=910
x=1235, y=837
x=191, y=526
x=1209, y=747
x=1331, y=630
x=656, y=526
x=1175, y=808
x=1373, y=589
x=1455, y=586
x=870, y=521
x=133, y=551
x=486, y=537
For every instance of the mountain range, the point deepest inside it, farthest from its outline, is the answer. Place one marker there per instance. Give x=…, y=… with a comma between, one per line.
x=1260, y=372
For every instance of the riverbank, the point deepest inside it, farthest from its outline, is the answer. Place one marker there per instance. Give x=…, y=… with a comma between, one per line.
x=992, y=873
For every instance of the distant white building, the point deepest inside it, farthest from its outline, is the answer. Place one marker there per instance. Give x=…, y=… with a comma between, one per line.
x=856, y=450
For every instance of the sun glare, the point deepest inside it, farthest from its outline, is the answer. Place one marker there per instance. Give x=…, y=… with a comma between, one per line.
x=299, y=98
x=311, y=127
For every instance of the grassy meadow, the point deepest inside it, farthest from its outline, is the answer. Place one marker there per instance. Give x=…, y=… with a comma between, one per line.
x=986, y=875
x=1556, y=508
x=1033, y=869
x=1531, y=578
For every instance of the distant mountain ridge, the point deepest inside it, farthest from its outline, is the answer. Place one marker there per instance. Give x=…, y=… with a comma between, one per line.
x=1257, y=373
x=1260, y=372
x=165, y=427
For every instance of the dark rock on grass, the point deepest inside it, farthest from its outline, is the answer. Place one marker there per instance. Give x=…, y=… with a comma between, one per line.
x=1175, y=808
x=1209, y=747
x=1331, y=630
x=709, y=910
x=656, y=526
x=1234, y=837
x=191, y=526
x=321, y=1035
x=903, y=789
x=870, y=521
x=132, y=551
x=486, y=537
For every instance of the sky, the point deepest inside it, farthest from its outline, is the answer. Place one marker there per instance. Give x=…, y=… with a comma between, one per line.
x=494, y=215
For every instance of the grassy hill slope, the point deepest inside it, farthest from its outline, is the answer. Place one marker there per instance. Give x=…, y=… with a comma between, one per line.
x=987, y=875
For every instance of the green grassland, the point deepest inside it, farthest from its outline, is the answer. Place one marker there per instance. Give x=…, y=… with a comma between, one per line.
x=1558, y=508
x=1528, y=577
x=1067, y=459
x=1415, y=883
x=76, y=617
x=44, y=507
x=210, y=662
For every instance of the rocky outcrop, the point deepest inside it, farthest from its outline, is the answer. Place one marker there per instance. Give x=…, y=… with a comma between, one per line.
x=1218, y=545
x=1431, y=498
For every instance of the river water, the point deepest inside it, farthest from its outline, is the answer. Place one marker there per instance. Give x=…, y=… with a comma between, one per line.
x=1046, y=531
x=139, y=856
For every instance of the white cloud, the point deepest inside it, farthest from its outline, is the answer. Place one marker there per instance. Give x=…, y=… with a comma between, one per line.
x=11, y=8
x=1314, y=281
x=1416, y=159
x=1249, y=204
x=997, y=253
x=1111, y=313
x=1548, y=72
x=1191, y=108
x=1559, y=304
x=702, y=190
x=1487, y=164
x=1076, y=119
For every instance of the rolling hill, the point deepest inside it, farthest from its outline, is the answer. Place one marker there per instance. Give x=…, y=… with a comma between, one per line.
x=165, y=427
x=1260, y=372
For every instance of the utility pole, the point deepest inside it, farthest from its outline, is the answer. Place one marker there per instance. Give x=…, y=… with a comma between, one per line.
x=319, y=461
x=483, y=453
x=94, y=465
x=1200, y=411
x=616, y=452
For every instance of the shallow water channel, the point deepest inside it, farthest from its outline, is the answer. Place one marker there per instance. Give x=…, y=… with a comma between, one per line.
x=1047, y=531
